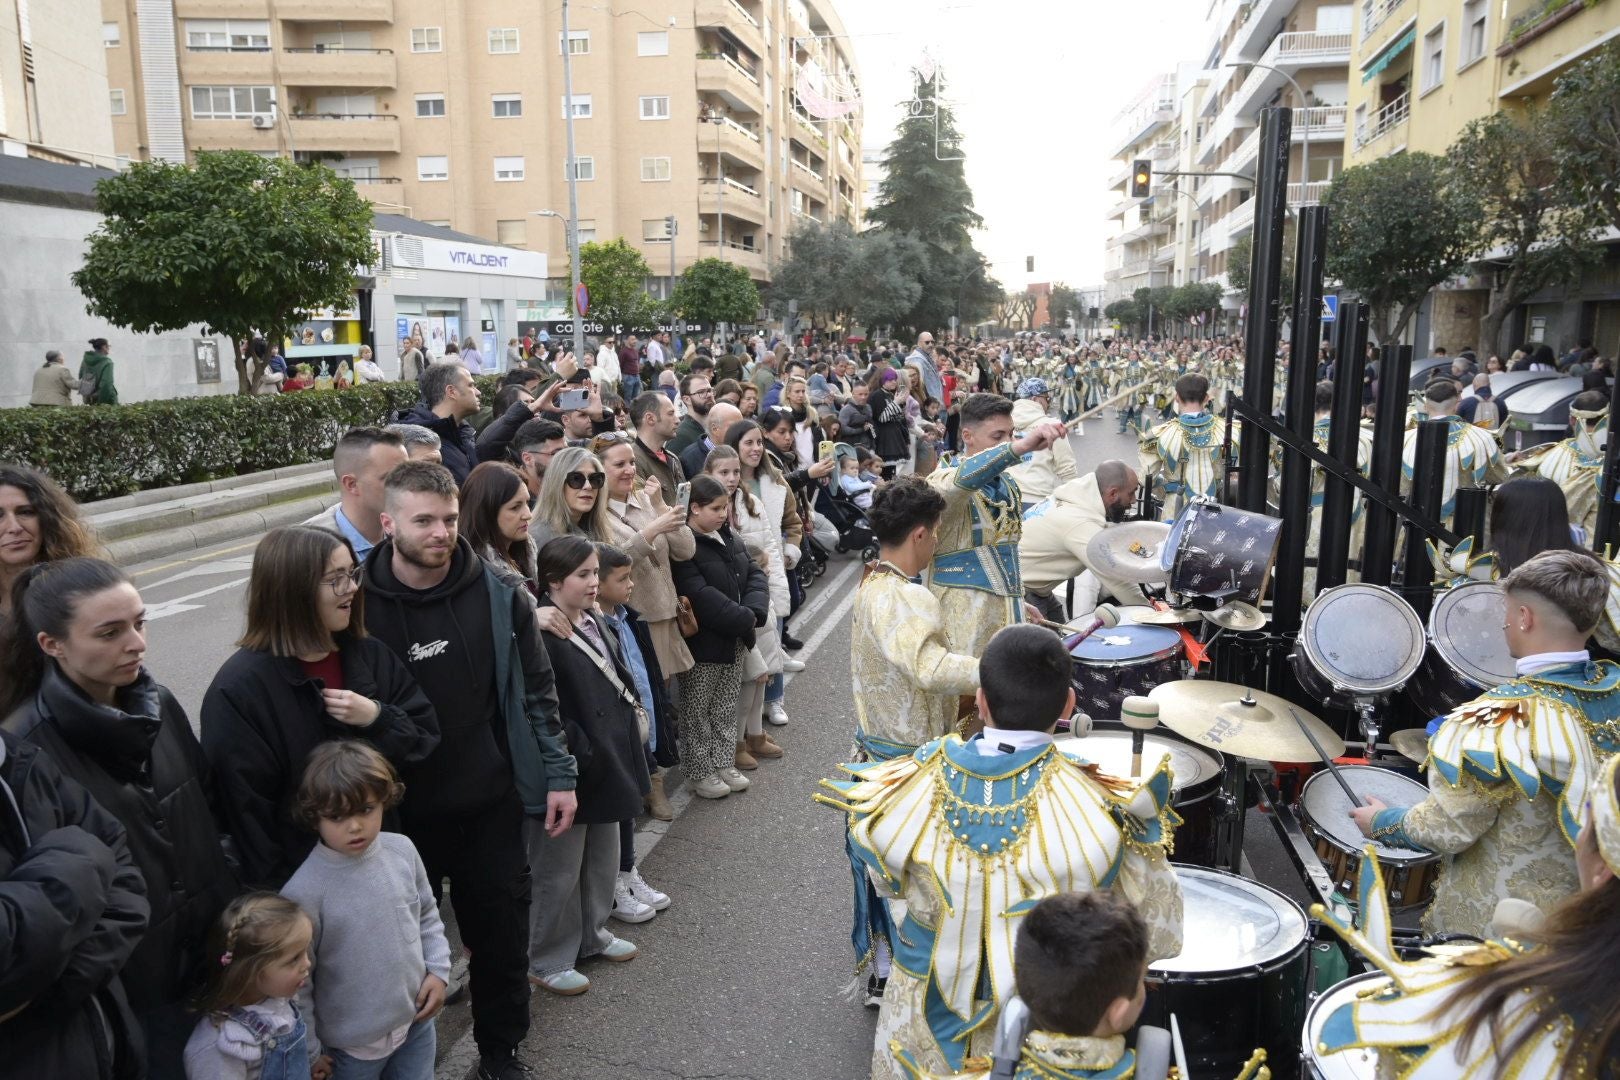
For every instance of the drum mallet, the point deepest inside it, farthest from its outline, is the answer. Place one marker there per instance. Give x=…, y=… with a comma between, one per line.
x=1141, y=715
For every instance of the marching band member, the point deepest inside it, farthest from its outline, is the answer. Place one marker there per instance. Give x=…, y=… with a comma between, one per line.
x=1510, y=771
x=1057, y=530
x=973, y=833
x=1473, y=459
x=1576, y=464
x=1181, y=457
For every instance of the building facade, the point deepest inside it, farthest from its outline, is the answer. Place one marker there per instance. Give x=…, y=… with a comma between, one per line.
x=1147, y=128
x=54, y=99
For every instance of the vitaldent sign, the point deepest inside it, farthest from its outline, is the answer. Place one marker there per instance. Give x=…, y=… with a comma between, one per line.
x=481, y=259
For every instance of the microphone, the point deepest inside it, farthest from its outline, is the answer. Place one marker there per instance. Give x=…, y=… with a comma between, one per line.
x=1106, y=615
x=1008, y=1045
x=1152, y=1053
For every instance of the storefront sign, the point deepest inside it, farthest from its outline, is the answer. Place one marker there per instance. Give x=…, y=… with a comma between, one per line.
x=565, y=328
x=469, y=258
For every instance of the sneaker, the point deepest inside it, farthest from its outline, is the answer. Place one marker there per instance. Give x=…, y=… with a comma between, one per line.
x=776, y=714
x=619, y=951
x=564, y=983
x=792, y=665
x=645, y=892
x=874, y=991
x=734, y=780
x=627, y=906
x=503, y=1068
x=712, y=787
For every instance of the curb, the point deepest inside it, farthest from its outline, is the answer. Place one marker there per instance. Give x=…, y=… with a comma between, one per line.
x=172, y=541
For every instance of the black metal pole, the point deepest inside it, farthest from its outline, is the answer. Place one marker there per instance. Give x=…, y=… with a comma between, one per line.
x=1265, y=278
x=1344, y=430
x=1294, y=496
x=1389, y=435
x=1608, y=513
x=1428, y=488
x=1469, y=517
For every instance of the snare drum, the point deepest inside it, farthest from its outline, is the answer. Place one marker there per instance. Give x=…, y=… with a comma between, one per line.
x=1221, y=550
x=1357, y=641
x=1241, y=978
x=1357, y=1063
x=1195, y=781
x=1409, y=876
x=1468, y=651
x=1118, y=661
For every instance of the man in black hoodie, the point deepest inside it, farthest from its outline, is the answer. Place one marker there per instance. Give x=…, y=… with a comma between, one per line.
x=473, y=646
x=449, y=397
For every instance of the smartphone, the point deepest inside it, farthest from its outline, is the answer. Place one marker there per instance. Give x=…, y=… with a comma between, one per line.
x=573, y=400
x=683, y=497
x=828, y=449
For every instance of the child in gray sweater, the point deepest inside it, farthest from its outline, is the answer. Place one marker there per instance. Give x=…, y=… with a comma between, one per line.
x=381, y=956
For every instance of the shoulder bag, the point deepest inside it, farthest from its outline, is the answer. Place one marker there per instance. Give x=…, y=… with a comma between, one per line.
x=643, y=721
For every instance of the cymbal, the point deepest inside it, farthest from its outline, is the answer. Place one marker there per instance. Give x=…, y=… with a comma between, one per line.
x=1237, y=720
x=1412, y=743
x=1236, y=616
x=1145, y=616
x=1129, y=552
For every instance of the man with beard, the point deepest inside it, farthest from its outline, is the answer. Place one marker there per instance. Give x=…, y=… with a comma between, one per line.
x=719, y=421
x=697, y=396
x=1057, y=530
x=531, y=448
x=472, y=644
x=653, y=415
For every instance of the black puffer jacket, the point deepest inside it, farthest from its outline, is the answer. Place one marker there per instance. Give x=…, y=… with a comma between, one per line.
x=262, y=716
x=72, y=907
x=458, y=442
x=729, y=595
x=141, y=762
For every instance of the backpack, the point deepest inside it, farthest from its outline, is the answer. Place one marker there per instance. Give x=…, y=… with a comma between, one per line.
x=88, y=385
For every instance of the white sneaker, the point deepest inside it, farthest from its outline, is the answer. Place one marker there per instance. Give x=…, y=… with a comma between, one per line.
x=776, y=714
x=792, y=665
x=711, y=787
x=645, y=892
x=627, y=907
x=733, y=779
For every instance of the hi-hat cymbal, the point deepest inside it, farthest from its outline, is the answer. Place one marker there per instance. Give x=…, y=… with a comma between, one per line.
x=1237, y=720
x=1163, y=617
x=1129, y=552
x=1236, y=616
x=1412, y=743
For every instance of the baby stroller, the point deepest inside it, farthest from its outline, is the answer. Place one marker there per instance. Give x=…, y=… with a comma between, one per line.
x=854, y=533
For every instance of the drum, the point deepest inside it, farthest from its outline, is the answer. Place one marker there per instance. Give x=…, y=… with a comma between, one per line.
x=1216, y=550
x=1357, y=641
x=1409, y=876
x=1241, y=978
x=1468, y=651
x=1357, y=1064
x=1195, y=780
x=1118, y=661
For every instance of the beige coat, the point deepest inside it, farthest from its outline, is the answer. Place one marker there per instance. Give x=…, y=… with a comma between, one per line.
x=655, y=587
x=54, y=384
x=1043, y=470
x=1053, y=547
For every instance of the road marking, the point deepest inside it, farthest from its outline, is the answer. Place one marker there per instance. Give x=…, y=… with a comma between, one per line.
x=221, y=566
x=196, y=558
x=179, y=604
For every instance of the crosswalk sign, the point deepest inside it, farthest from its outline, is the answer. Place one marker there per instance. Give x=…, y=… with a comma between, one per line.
x=1330, y=308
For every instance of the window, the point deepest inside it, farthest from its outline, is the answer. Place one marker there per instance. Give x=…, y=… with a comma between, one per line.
x=503, y=39
x=429, y=105
x=506, y=106
x=427, y=39
x=579, y=43
x=230, y=102
x=436, y=167
x=508, y=169
x=655, y=108
x=111, y=35
x=116, y=99
x=587, y=229
x=582, y=106
x=652, y=43
x=655, y=168
x=513, y=232
x=228, y=35
x=655, y=230
x=584, y=168
x=1473, y=44
x=1434, y=58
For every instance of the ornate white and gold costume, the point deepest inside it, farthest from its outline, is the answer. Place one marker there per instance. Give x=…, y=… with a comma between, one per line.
x=1473, y=459
x=1181, y=460
x=973, y=841
x=975, y=569
x=1576, y=466
x=1509, y=774
x=1049, y=1056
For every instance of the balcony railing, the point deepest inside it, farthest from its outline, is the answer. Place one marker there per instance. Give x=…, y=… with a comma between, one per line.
x=1375, y=12
x=802, y=167
x=1308, y=47
x=739, y=128
x=340, y=49
x=747, y=74
x=1307, y=194
x=1319, y=118
x=1385, y=120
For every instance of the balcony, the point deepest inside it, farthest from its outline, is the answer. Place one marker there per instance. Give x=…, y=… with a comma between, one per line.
x=736, y=142
x=222, y=9
x=1390, y=119
x=1164, y=151
x=377, y=133
x=1145, y=231
x=732, y=198
x=226, y=67
x=751, y=259
x=323, y=67
x=1241, y=218
x=1324, y=122
x=381, y=11
x=1374, y=13
x=1165, y=255
x=814, y=178
x=1260, y=18
x=739, y=87
x=806, y=131
x=1243, y=157
x=1310, y=194
x=1153, y=108
x=733, y=19
x=235, y=135
x=1309, y=48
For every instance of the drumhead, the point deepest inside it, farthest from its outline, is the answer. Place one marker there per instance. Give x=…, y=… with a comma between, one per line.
x=1363, y=638
x=1177, y=537
x=1231, y=923
x=1354, y=1064
x=1465, y=628
x=1111, y=750
x=1126, y=644
x=1328, y=808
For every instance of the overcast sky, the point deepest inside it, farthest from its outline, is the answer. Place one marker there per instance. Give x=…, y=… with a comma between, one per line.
x=1036, y=86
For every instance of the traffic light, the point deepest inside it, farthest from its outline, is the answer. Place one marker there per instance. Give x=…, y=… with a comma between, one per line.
x=1141, y=178
x=1029, y=264
x=1091, y=313
x=669, y=226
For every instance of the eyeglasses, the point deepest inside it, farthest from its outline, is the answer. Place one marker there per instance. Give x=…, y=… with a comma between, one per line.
x=579, y=481
x=343, y=582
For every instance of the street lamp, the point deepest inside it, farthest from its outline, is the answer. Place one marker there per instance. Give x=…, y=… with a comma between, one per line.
x=1304, y=128
x=573, y=188
x=571, y=247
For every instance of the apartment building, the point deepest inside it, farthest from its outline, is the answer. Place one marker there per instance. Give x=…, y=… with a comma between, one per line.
x=455, y=115
x=54, y=101
x=1136, y=255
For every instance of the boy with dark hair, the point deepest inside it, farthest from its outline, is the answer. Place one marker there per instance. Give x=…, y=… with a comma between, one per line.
x=998, y=820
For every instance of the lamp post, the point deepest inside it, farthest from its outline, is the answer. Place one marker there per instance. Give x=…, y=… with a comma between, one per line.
x=709, y=114
x=573, y=190
x=1304, y=128
x=573, y=257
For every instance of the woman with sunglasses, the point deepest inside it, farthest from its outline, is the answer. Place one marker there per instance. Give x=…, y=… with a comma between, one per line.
x=304, y=673
x=572, y=499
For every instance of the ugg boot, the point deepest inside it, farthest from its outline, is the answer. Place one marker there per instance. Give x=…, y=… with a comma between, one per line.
x=743, y=759
x=762, y=746
x=657, y=802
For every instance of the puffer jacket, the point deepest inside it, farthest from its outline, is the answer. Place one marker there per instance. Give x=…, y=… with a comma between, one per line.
x=1042, y=470
x=729, y=596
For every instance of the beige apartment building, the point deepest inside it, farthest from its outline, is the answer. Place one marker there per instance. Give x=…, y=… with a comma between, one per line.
x=1137, y=254
x=453, y=114
x=54, y=100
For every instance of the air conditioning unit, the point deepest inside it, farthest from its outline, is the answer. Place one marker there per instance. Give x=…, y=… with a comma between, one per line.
x=263, y=122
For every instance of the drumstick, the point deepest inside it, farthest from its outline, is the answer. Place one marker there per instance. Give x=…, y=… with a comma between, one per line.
x=1321, y=753
x=1098, y=408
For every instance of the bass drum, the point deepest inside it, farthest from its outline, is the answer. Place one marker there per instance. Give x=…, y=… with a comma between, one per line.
x=1409, y=876
x=1195, y=780
x=1468, y=651
x=1357, y=641
x=1118, y=661
x=1352, y=1064
x=1241, y=978
x=1216, y=550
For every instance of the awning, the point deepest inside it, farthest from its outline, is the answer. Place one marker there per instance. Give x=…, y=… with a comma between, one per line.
x=1387, y=57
